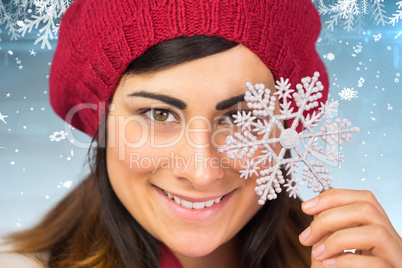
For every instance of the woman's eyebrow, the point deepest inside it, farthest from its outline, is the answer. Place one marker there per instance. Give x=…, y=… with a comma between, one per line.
x=179, y=104
x=225, y=104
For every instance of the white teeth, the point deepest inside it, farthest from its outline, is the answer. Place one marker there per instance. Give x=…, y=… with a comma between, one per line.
x=193, y=205
x=198, y=205
x=169, y=195
x=176, y=199
x=186, y=204
x=209, y=203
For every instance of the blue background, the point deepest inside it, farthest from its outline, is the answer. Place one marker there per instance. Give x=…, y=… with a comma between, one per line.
x=37, y=170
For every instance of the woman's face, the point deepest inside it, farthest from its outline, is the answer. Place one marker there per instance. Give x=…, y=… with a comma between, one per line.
x=164, y=129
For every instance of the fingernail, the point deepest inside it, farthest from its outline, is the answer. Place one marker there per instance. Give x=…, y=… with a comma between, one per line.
x=329, y=262
x=305, y=234
x=318, y=251
x=309, y=204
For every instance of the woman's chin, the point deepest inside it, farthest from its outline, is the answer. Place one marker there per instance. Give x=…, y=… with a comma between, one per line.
x=193, y=248
x=193, y=252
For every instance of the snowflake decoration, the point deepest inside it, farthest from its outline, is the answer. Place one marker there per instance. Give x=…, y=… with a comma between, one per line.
x=350, y=14
x=377, y=37
x=257, y=133
x=2, y=118
x=348, y=94
x=67, y=184
x=58, y=136
x=358, y=48
x=293, y=186
x=330, y=56
x=22, y=16
x=361, y=82
x=397, y=16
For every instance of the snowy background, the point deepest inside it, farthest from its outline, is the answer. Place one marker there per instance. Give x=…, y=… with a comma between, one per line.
x=40, y=160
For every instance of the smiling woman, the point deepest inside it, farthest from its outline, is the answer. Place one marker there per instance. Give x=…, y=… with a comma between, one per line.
x=172, y=75
x=184, y=222
x=197, y=208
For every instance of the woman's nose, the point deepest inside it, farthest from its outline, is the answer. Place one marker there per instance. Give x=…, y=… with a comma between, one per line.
x=202, y=166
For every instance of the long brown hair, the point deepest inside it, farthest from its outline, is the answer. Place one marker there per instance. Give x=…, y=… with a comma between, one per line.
x=90, y=227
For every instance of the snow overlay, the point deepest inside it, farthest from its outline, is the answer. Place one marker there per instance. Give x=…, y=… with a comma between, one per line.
x=350, y=13
x=2, y=117
x=259, y=125
x=348, y=94
x=398, y=15
x=19, y=17
x=330, y=56
x=58, y=136
x=22, y=16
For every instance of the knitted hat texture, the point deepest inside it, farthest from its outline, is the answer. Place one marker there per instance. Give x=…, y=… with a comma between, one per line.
x=99, y=38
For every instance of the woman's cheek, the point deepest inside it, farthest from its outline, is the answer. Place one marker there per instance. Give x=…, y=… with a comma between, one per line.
x=139, y=145
x=147, y=160
x=126, y=133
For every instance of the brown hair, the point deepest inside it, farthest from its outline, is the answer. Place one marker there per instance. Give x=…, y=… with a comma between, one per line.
x=90, y=227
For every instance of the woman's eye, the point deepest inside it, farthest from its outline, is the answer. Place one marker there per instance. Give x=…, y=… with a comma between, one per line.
x=161, y=115
x=231, y=117
x=228, y=118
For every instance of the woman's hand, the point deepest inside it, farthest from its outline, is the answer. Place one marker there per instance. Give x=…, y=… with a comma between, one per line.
x=346, y=220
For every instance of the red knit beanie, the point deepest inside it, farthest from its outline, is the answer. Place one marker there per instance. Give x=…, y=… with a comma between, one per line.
x=99, y=38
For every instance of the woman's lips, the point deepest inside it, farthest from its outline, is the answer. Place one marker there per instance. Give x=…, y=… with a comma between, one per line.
x=191, y=209
x=193, y=205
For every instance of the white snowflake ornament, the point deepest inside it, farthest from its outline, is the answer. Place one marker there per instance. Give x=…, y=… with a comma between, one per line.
x=348, y=94
x=58, y=136
x=259, y=131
